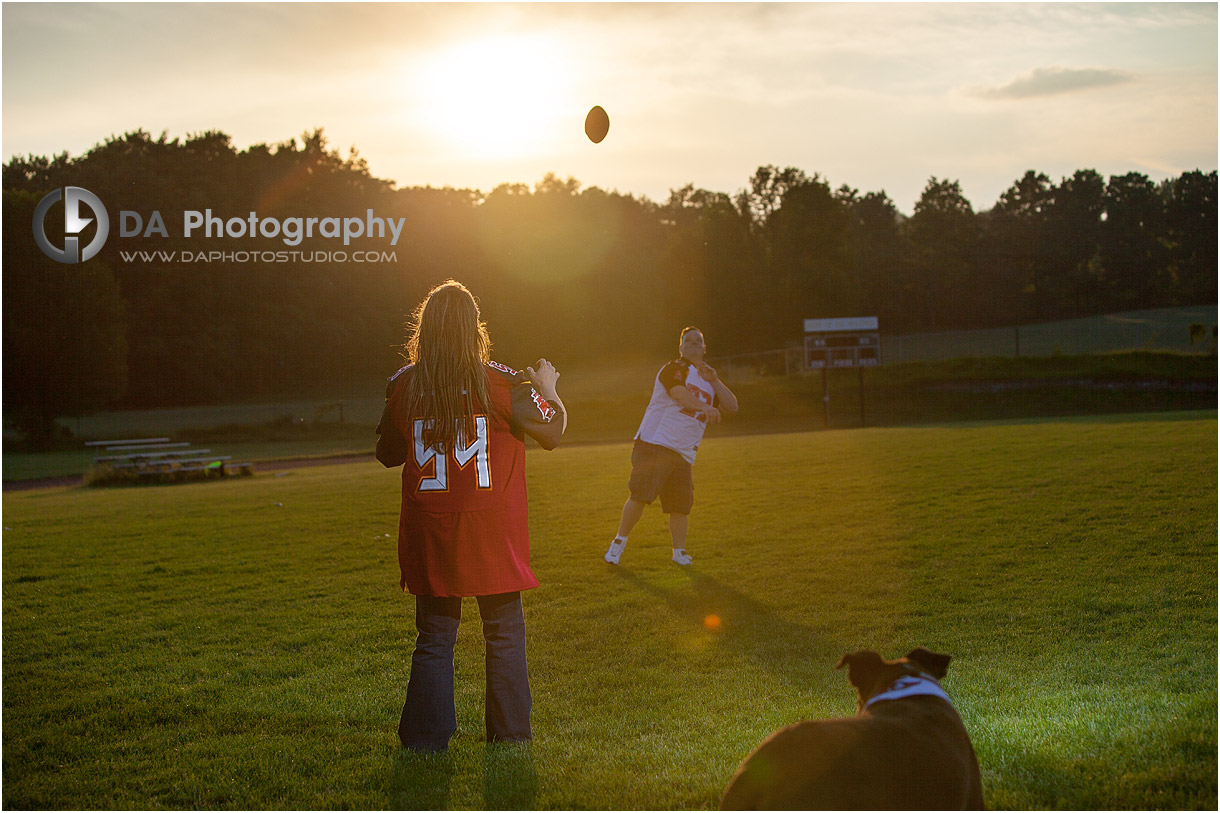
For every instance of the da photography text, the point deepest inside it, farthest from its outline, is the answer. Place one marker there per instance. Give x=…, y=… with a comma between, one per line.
x=81, y=208
x=292, y=230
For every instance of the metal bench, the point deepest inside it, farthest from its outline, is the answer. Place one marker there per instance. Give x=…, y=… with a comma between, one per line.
x=160, y=457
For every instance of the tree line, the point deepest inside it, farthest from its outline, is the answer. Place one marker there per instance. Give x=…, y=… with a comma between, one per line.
x=580, y=274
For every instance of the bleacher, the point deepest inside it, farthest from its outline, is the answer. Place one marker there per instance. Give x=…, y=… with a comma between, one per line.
x=159, y=459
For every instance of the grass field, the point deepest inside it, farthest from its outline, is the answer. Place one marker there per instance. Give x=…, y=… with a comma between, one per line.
x=242, y=644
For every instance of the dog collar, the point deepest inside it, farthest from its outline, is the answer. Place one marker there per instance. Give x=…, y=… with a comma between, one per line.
x=910, y=686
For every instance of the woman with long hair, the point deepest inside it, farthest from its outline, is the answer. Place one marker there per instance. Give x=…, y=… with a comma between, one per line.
x=456, y=422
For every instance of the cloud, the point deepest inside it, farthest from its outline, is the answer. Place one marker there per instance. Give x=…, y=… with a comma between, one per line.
x=1056, y=81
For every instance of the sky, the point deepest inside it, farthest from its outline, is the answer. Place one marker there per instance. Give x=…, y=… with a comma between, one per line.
x=877, y=97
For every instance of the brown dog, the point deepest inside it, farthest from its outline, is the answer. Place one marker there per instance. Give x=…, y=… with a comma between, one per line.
x=906, y=749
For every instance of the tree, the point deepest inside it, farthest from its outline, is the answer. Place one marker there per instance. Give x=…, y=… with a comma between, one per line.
x=1071, y=276
x=1016, y=249
x=1133, y=255
x=877, y=249
x=809, y=253
x=64, y=330
x=711, y=270
x=1190, y=219
x=944, y=235
x=768, y=185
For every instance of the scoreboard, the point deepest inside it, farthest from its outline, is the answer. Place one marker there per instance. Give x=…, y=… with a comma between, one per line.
x=846, y=342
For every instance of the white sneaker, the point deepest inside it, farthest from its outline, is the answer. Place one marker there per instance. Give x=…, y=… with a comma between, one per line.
x=616, y=551
x=681, y=558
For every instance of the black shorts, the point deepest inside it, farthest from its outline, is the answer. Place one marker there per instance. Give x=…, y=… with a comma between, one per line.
x=655, y=471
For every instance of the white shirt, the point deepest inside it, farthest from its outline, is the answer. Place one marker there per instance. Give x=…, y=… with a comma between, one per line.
x=666, y=423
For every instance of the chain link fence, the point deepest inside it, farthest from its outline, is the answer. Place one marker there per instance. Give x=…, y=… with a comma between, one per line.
x=1185, y=330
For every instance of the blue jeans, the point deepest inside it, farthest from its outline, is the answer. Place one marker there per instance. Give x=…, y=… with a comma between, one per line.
x=429, y=717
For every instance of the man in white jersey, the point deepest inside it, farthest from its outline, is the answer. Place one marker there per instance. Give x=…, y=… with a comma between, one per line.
x=686, y=396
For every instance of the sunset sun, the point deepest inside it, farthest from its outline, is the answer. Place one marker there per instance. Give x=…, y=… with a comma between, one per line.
x=494, y=97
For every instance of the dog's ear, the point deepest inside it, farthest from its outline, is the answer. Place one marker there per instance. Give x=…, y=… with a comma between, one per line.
x=936, y=664
x=863, y=667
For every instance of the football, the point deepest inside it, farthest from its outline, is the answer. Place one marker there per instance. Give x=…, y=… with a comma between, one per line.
x=597, y=124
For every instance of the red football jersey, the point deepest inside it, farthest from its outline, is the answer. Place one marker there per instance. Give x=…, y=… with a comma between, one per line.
x=464, y=525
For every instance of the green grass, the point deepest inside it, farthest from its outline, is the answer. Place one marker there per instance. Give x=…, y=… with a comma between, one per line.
x=242, y=643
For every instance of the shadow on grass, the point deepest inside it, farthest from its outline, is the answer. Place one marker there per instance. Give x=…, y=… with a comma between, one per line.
x=754, y=632
x=423, y=781
x=510, y=781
